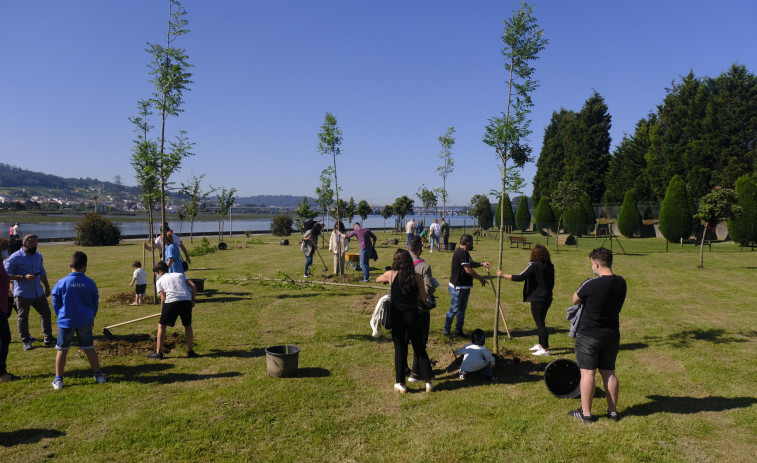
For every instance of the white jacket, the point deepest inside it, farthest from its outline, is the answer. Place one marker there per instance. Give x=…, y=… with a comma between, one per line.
x=378, y=313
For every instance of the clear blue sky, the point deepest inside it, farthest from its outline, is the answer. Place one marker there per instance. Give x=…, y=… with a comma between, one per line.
x=395, y=73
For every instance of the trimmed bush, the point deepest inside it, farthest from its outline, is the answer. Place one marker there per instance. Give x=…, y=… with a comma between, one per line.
x=523, y=215
x=744, y=229
x=281, y=225
x=509, y=216
x=544, y=216
x=574, y=220
x=486, y=220
x=589, y=217
x=676, y=212
x=96, y=230
x=629, y=219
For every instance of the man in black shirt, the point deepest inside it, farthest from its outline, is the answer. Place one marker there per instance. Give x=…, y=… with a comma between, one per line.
x=460, y=284
x=598, y=334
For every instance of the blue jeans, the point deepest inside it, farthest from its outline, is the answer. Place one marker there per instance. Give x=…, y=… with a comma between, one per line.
x=83, y=333
x=365, y=256
x=308, y=263
x=435, y=239
x=457, y=306
x=409, y=235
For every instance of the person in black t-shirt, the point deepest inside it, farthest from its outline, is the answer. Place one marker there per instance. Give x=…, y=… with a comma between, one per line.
x=460, y=284
x=598, y=334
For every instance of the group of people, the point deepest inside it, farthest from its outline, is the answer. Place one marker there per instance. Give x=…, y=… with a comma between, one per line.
x=338, y=245
x=437, y=233
x=75, y=301
x=596, y=325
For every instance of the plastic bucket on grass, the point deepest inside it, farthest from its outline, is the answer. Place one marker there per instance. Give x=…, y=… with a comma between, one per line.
x=282, y=361
x=563, y=379
x=199, y=284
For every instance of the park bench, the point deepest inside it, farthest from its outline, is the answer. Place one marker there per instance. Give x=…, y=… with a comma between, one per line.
x=519, y=241
x=748, y=244
x=696, y=243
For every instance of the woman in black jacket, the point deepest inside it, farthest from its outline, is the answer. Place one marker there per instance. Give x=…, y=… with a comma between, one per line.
x=540, y=281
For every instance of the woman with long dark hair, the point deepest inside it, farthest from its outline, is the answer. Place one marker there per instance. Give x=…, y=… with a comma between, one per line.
x=540, y=281
x=406, y=288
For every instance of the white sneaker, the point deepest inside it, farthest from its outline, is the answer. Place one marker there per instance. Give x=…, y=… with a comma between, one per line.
x=400, y=388
x=535, y=347
x=58, y=384
x=540, y=351
x=414, y=379
x=429, y=387
x=100, y=377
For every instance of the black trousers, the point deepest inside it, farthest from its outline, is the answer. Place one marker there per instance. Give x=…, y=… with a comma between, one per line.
x=539, y=312
x=425, y=320
x=407, y=329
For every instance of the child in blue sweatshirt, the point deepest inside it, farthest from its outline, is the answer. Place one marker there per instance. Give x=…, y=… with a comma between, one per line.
x=75, y=302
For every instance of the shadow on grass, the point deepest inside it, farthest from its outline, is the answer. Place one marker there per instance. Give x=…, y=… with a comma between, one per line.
x=225, y=299
x=296, y=296
x=239, y=353
x=507, y=371
x=28, y=436
x=686, y=337
x=313, y=372
x=633, y=346
x=533, y=332
x=143, y=373
x=688, y=405
x=384, y=338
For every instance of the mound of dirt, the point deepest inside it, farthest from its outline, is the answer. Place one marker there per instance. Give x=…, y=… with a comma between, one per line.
x=126, y=299
x=347, y=278
x=131, y=344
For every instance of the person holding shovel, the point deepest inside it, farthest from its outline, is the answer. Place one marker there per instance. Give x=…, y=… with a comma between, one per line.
x=177, y=294
x=539, y=276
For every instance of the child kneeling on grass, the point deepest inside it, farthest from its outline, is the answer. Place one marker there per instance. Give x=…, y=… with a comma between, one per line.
x=75, y=302
x=177, y=293
x=477, y=357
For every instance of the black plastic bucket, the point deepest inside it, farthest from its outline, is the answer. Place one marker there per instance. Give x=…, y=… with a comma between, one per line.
x=284, y=242
x=282, y=361
x=563, y=379
x=199, y=284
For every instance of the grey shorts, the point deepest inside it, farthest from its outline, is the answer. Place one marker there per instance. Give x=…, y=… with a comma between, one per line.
x=596, y=353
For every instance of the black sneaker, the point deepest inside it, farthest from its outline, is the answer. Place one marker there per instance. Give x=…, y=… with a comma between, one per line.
x=446, y=333
x=28, y=346
x=155, y=355
x=615, y=416
x=49, y=344
x=459, y=334
x=192, y=354
x=493, y=379
x=579, y=414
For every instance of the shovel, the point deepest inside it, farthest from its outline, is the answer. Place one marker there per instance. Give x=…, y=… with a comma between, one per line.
x=499, y=307
x=106, y=329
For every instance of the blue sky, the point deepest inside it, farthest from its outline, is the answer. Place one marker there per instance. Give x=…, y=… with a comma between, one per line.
x=396, y=74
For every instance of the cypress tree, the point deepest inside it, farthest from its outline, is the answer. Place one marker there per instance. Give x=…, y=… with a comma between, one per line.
x=523, y=215
x=629, y=219
x=589, y=218
x=544, y=216
x=509, y=216
x=550, y=167
x=676, y=212
x=744, y=228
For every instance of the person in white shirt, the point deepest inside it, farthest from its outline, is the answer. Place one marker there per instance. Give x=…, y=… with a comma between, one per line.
x=477, y=357
x=177, y=293
x=139, y=277
x=158, y=243
x=436, y=231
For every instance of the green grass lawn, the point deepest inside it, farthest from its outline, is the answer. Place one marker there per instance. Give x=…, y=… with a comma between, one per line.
x=688, y=382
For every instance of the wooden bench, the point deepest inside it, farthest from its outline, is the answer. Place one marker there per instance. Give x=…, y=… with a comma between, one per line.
x=696, y=243
x=519, y=241
x=748, y=244
x=353, y=258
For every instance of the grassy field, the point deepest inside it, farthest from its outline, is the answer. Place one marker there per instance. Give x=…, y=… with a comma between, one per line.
x=686, y=368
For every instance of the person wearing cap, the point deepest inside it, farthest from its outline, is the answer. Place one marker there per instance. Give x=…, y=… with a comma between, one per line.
x=158, y=243
x=31, y=289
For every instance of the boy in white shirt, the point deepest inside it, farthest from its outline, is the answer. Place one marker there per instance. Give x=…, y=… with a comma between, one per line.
x=177, y=294
x=477, y=357
x=140, y=279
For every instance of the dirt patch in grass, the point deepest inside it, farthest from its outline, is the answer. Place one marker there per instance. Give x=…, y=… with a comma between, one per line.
x=126, y=299
x=347, y=278
x=131, y=344
x=365, y=304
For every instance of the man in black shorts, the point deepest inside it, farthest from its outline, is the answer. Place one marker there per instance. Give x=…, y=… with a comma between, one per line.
x=177, y=294
x=598, y=334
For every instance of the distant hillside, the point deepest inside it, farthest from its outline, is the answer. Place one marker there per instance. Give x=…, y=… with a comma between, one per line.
x=13, y=179
x=272, y=200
